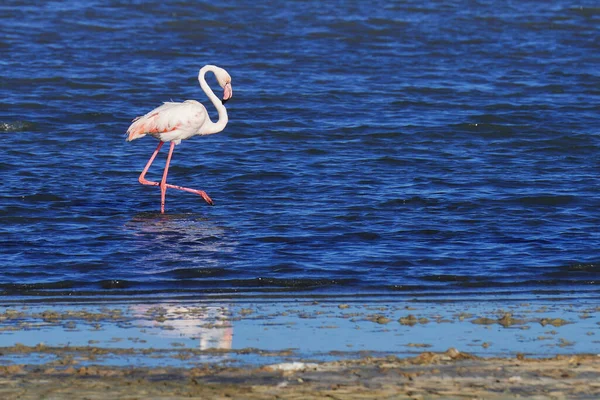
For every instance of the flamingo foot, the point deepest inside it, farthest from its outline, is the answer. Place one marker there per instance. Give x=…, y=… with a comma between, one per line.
x=206, y=198
x=201, y=193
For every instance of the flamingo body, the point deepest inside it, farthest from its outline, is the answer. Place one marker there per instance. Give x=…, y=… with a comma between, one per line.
x=170, y=122
x=173, y=122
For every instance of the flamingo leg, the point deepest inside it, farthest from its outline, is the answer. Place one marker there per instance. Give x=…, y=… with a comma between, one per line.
x=163, y=183
x=142, y=179
x=201, y=193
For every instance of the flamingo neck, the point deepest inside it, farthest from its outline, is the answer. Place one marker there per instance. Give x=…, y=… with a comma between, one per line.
x=210, y=126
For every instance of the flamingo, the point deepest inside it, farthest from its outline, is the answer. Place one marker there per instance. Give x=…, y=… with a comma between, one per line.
x=174, y=122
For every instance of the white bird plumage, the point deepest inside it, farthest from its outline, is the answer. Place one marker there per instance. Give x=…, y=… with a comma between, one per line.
x=173, y=122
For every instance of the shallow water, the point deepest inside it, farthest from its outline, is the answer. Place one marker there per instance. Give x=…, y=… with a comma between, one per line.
x=261, y=331
x=444, y=150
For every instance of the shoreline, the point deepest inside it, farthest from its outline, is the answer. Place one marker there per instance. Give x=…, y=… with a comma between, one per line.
x=301, y=349
x=448, y=375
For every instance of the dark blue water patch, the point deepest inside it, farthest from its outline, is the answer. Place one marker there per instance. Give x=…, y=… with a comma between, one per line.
x=588, y=273
x=546, y=200
x=114, y=284
x=24, y=288
x=109, y=287
x=431, y=148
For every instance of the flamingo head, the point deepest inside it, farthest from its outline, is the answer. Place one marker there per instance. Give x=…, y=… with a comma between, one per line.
x=224, y=80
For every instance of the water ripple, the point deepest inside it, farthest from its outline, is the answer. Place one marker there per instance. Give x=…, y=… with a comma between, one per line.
x=403, y=149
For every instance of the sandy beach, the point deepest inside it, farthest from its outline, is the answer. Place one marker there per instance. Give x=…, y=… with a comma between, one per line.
x=449, y=375
x=300, y=349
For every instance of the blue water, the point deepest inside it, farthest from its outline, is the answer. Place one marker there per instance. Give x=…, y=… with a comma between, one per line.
x=411, y=149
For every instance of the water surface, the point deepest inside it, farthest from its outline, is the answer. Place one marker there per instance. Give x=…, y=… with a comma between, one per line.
x=383, y=148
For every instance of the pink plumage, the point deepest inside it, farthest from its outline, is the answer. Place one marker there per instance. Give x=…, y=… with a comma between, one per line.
x=170, y=122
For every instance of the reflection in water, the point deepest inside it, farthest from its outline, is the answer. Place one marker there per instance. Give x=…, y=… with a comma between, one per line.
x=171, y=242
x=176, y=229
x=179, y=248
x=210, y=325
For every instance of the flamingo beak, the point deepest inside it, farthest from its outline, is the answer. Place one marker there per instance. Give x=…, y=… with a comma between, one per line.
x=227, y=92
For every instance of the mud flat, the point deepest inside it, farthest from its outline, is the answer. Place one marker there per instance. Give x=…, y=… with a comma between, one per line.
x=300, y=349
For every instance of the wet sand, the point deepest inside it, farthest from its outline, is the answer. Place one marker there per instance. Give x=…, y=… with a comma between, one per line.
x=449, y=375
x=300, y=350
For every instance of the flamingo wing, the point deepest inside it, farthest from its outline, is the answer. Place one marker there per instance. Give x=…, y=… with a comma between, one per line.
x=169, y=122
